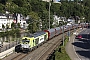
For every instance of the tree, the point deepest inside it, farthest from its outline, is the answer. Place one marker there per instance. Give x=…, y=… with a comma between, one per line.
x=1, y=8
x=3, y=1
x=30, y=28
x=20, y=3
x=55, y=8
x=13, y=25
x=41, y=9
x=38, y=6
x=44, y=17
x=7, y=27
x=18, y=24
x=34, y=19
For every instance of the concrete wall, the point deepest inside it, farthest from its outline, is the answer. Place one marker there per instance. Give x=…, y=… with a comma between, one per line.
x=6, y=53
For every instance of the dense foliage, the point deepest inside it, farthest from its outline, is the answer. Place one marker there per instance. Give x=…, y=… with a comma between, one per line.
x=38, y=10
x=12, y=32
x=60, y=53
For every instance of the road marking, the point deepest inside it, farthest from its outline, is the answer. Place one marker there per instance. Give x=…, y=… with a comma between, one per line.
x=75, y=51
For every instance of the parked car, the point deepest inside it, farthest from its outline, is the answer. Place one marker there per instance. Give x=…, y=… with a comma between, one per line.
x=83, y=36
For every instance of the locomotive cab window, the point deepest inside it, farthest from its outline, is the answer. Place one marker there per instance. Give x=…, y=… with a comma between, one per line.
x=25, y=41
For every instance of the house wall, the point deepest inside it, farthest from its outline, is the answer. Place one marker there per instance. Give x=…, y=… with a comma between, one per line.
x=4, y=20
x=10, y=19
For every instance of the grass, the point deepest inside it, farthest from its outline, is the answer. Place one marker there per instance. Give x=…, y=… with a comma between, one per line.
x=60, y=53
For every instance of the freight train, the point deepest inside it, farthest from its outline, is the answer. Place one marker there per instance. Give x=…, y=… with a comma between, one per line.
x=32, y=41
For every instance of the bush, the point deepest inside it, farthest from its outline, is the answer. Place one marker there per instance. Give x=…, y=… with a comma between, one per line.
x=60, y=53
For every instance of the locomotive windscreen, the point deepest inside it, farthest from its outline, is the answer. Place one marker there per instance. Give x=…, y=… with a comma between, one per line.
x=25, y=41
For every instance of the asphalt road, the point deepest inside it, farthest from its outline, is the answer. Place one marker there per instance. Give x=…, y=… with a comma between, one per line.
x=82, y=46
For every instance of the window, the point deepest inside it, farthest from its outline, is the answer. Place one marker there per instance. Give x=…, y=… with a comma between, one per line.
x=25, y=41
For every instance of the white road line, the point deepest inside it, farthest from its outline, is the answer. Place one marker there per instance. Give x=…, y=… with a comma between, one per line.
x=75, y=51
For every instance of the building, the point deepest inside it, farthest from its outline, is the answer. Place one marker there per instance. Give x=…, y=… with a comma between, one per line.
x=71, y=21
x=6, y=20
x=57, y=20
x=19, y=18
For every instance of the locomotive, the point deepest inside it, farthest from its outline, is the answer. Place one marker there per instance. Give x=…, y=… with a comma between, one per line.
x=32, y=41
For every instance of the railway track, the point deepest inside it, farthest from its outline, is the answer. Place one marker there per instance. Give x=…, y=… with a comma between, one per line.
x=47, y=49
x=37, y=52
x=40, y=53
x=19, y=57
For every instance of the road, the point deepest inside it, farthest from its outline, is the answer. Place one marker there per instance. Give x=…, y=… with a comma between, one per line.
x=82, y=46
x=79, y=49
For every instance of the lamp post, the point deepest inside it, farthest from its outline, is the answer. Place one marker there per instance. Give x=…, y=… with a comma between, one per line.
x=49, y=13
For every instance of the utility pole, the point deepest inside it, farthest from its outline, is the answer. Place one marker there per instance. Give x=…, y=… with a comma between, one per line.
x=49, y=13
x=63, y=35
x=69, y=34
x=0, y=49
x=1, y=45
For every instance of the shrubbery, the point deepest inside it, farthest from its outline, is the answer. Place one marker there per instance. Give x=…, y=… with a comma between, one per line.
x=60, y=53
x=13, y=32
